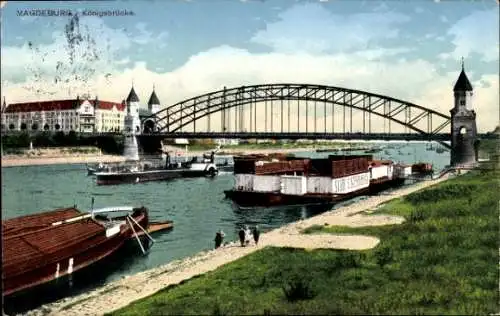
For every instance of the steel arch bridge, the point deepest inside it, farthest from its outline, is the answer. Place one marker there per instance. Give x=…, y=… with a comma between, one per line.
x=426, y=123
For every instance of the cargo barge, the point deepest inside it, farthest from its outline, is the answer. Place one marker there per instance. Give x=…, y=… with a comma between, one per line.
x=265, y=181
x=42, y=248
x=422, y=168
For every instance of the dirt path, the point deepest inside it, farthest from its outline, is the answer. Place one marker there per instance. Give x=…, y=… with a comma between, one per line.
x=123, y=292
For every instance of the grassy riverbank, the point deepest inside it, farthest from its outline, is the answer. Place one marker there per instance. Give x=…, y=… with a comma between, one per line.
x=442, y=260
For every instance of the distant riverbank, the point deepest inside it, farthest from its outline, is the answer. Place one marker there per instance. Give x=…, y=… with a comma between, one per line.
x=15, y=161
x=56, y=157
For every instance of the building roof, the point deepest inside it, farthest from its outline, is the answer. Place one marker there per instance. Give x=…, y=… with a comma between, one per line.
x=132, y=96
x=153, y=100
x=463, y=83
x=106, y=105
x=59, y=105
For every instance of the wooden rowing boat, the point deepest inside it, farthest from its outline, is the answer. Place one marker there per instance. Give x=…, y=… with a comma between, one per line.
x=43, y=247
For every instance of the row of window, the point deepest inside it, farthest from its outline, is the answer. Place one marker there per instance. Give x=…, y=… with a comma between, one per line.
x=54, y=114
x=67, y=121
x=58, y=127
x=35, y=126
x=50, y=122
x=103, y=115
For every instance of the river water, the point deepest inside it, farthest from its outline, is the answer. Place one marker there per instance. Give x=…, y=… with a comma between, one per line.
x=197, y=206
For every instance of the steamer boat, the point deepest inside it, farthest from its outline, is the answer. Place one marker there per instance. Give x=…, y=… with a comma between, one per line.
x=45, y=247
x=164, y=169
x=264, y=181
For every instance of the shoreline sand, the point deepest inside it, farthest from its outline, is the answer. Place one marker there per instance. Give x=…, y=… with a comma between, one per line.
x=120, y=293
x=77, y=159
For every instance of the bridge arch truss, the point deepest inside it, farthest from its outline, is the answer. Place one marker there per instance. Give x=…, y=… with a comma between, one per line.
x=178, y=117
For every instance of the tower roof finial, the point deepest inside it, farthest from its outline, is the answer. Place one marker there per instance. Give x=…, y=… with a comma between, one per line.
x=153, y=86
x=463, y=83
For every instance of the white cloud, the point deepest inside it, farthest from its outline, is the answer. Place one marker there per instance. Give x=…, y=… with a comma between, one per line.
x=375, y=54
x=227, y=66
x=146, y=37
x=411, y=80
x=310, y=28
x=478, y=32
x=123, y=61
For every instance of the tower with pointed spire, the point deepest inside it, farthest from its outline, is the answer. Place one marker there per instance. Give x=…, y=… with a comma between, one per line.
x=132, y=121
x=154, y=102
x=464, y=142
x=132, y=124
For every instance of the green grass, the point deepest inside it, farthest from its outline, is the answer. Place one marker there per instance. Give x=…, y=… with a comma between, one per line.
x=442, y=260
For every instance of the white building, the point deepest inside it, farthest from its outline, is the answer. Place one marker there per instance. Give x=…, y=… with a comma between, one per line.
x=79, y=115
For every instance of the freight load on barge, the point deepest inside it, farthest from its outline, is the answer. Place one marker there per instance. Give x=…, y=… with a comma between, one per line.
x=422, y=168
x=45, y=247
x=263, y=181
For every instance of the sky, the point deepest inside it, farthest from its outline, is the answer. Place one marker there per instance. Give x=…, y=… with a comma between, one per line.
x=410, y=50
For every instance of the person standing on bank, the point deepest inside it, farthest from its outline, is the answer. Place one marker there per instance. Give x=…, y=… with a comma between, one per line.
x=256, y=234
x=219, y=237
x=241, y=234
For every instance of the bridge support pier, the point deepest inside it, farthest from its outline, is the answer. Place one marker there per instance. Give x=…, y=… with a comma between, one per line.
x=131, y=148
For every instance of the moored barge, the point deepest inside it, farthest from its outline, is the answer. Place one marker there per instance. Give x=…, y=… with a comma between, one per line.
x=263, y=181
x=45, y=247
x=422, y=168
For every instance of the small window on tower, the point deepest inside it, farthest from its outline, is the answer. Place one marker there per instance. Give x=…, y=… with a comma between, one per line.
x=462, y=102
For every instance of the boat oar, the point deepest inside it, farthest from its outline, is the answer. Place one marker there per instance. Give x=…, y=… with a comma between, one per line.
x=136, y=236
x=145, y=232
x=92, y=207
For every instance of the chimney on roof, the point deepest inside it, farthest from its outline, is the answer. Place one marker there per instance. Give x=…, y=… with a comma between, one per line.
x=96, y=103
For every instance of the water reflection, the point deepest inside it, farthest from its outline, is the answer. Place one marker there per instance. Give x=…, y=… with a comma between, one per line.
x=273, y=217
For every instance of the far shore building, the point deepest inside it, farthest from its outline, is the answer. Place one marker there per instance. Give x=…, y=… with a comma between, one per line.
x=79, y=115
x=83, y=115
